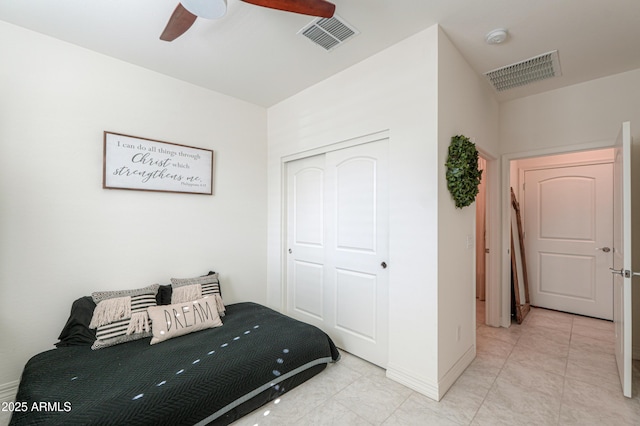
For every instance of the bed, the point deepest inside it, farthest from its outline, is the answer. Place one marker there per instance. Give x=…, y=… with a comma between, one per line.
x=212, y=376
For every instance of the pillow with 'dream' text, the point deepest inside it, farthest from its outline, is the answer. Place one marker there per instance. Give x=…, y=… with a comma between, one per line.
x=178, y=319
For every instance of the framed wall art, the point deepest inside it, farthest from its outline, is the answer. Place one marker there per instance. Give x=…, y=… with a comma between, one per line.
x=142, y=164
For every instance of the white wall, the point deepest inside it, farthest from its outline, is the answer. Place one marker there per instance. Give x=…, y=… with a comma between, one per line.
x=585, y=114
x=398, y=90
x=395, y=90
x=62, y=236
x=582, y=113
x=466, y=106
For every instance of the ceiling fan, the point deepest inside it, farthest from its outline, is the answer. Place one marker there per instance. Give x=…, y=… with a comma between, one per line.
x=187, y=11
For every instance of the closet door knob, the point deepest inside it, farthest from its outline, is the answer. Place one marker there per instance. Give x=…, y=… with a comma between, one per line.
x=384, y=265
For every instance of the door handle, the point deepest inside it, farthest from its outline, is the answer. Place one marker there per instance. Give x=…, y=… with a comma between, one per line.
x=624, y=272
x=615, y=271
x=384, y=265
x=604, y=249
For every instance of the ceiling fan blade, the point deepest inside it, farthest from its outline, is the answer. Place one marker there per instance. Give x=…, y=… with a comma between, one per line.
x=180, y=21
x=320, y=8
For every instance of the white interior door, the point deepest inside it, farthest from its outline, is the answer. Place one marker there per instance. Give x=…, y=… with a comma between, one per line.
x=337, y=279
x=306, y=296
x=621, y=269
x=568, y=219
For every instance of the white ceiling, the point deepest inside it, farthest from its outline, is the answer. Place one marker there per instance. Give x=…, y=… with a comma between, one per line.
x=255, y=54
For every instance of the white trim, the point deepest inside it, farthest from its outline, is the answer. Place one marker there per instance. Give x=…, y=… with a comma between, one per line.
x=561, y=165
x=492, y=235
x=373, y=137
x=505, y=288
x=284, y=181
x=432, y=390
x=566, y=149
x=408, y=379
x=456, y=371
x=492, y=206
x=8, y=391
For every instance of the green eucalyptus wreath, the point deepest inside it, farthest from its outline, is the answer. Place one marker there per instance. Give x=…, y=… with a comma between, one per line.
x=463, y=176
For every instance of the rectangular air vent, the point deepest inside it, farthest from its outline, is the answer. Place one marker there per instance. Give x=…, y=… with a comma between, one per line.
x=328, y=33
x=535, y=69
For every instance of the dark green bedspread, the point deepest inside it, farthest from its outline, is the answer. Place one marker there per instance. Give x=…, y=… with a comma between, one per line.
x=199, y=377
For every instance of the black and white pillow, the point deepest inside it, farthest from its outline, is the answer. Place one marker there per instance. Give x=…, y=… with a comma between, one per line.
x=190, y=289
x=121, y=316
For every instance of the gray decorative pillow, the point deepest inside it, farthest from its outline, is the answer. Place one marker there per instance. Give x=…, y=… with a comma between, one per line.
x=178, y=319
x=121, y=316
x=190, y=289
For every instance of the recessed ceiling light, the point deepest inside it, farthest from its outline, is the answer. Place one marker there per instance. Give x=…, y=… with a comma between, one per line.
x=496, y=36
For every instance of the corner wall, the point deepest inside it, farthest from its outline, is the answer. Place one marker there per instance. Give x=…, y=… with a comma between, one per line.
x=62, y=236
x=395, y=90
x=466, y=106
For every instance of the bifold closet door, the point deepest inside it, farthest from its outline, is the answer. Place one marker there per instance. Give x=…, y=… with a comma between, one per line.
x=337, y=234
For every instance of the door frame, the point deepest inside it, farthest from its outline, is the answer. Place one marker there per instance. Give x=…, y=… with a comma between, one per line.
x=492, y=231
x=361, y=140
x=482, y=238
x=502, y=290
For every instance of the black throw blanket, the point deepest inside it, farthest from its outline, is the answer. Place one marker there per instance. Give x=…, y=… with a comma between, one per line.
x=211, y=376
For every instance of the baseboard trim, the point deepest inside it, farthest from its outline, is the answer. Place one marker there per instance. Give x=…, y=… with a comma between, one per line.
x=8, y=391
x=408, y=379
x=433, y=390
x=456, y=370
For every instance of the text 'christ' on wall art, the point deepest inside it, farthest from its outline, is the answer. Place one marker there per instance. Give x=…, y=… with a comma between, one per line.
x=147, y=165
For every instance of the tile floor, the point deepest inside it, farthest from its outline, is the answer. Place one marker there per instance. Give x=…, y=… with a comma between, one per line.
x=554, y=369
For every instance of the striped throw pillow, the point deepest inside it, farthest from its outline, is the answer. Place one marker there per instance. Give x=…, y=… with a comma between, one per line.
x=121, y=316
x=190, y=289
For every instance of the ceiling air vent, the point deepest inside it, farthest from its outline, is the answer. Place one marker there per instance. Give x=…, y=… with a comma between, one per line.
x=525, y=72
x=328, y=33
